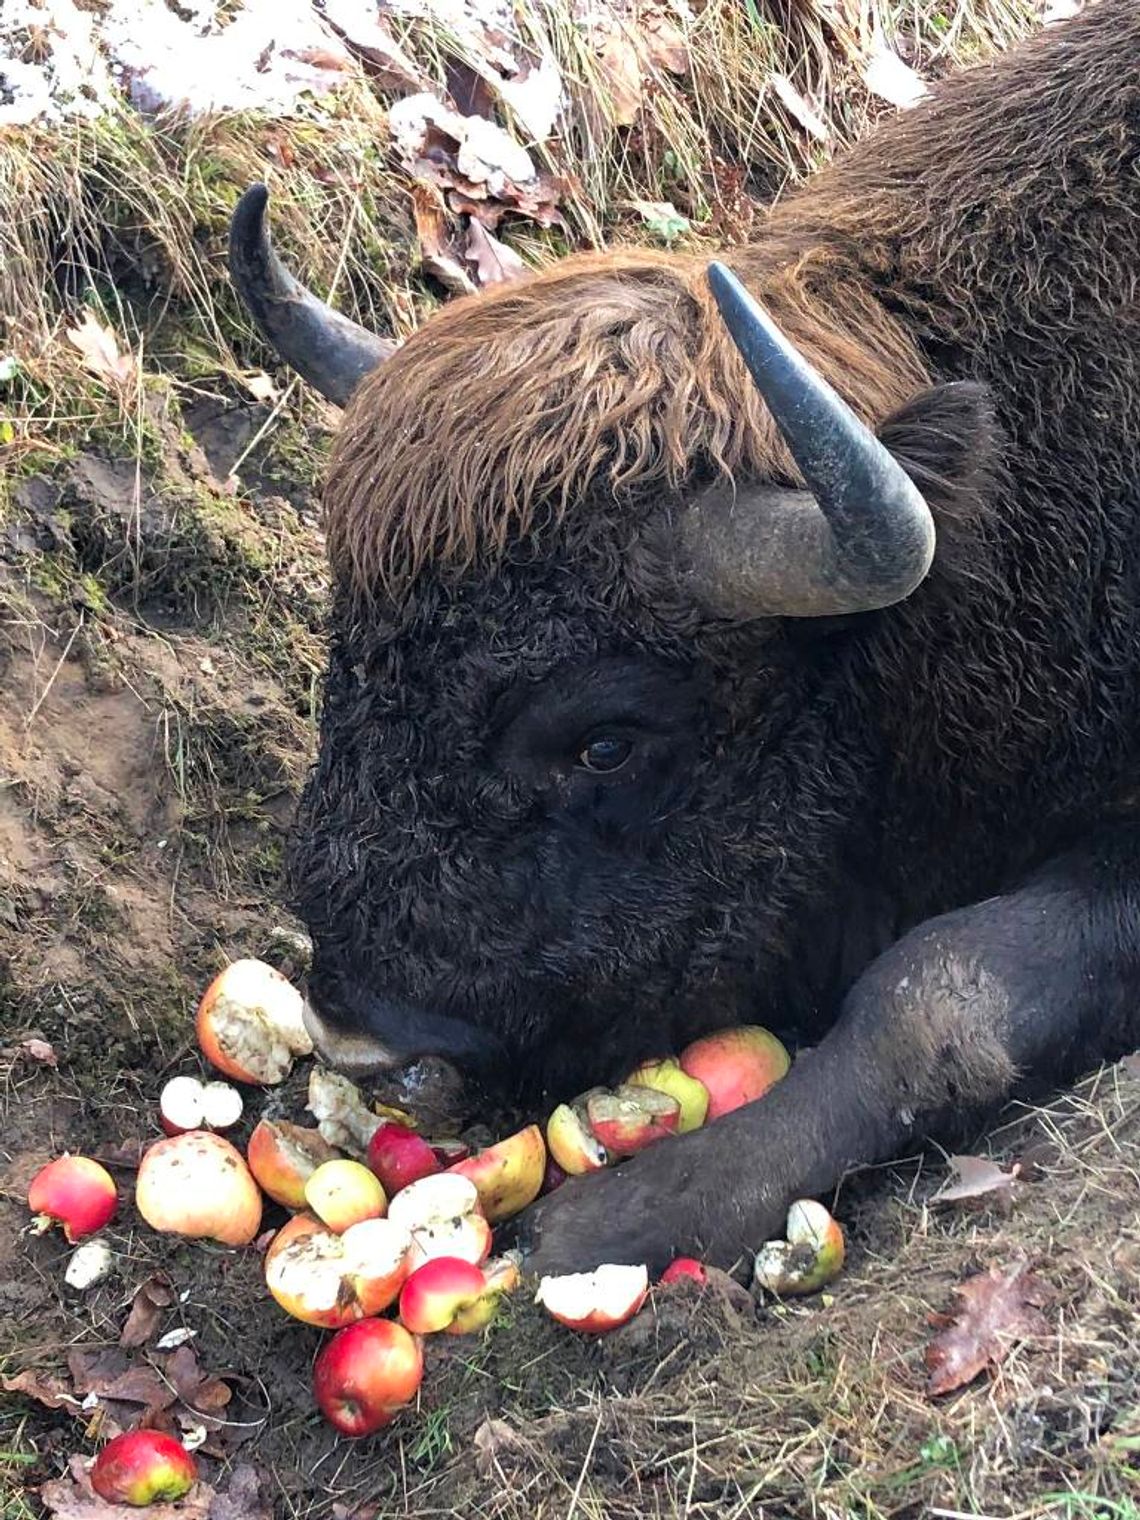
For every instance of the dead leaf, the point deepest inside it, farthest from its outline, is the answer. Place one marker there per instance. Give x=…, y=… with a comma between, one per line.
x=175, y=1338
x=621, y=65
x=243, y=1498
x=368, y=37
x=997, y=1308
x=665, y=42
x=886, y=75
x=151, y=1298
x=100, y=351
x=438, y=253
x=493, y=1439
x=797, y=107
x=38, y=1050
x=73, y=1498
x=493, y=262
x=260, y=386
x=977, y=1177
x=51, y=1392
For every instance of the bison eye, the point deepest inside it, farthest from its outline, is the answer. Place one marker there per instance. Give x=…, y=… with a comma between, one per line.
x=605, y=754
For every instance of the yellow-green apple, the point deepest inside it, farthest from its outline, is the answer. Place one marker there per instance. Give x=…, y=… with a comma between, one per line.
x=342, y=1193
x=399, y=1156
x=595, y=1301
x=77, y=1192
x=666, y=1076
x=283, y=1156
x=508, y=1175
x=141, y=1467
x=198, y=1185
x=443, y=1217
x=331, y=1280
x=250, y=1023
x=366, y=1374
x=628, y=1120
x=808, y=1259
x=736, y=1066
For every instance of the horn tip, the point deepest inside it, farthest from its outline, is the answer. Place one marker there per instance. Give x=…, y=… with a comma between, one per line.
x=247, y=222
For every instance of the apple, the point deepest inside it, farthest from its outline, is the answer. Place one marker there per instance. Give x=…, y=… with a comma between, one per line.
x=186, y=1104
x=508, y=1175
x=595, y=1301
x=198, y=1185
x=293, y=1229
x=808, y=1259
x=553, y=1177
x=685, y=1267
x=250, y=1023
x=666, y=1076
x=343, y=1193
x=142, y=1466
x=443, y=1217
x=572, y=1145
x=448, y=1152
x=331, y=1280
x=399, y=1156
x=283, y=1156
x=450, y=1294
x=736, y=1066
x=628, y=1120
x=366, y=1374
x=342, y=1115
x=77, y=1192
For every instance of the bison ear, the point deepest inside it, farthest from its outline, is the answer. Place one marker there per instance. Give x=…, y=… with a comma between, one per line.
x=950, y=443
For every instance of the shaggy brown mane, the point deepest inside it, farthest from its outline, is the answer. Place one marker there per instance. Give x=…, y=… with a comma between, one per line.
x=605, y=370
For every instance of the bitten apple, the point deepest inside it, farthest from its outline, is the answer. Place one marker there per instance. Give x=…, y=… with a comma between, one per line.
x=628, y=1120
x=736, y=1066
x=442, y=1215
x=366, y=1374
x=685, y=1269
x=283, y=1156
x=666, y=1076
x=331, y=1280
x=572, y=1144
x=198, y=1185
x=342, y=1193
x=140, y=1467
x=453, y=1295
x=508, y=1175
x=399, y=1156
x=250, y=1023
x=595, y=1301
x=77, y=1192
x=808, y=1259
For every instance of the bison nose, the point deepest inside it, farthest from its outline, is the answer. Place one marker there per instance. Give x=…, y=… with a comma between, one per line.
x=358, y=1031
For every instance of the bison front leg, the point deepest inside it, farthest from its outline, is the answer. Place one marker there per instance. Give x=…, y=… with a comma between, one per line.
x=944, y=1025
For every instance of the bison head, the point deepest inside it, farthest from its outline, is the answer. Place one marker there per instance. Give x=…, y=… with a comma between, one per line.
x=599, y=739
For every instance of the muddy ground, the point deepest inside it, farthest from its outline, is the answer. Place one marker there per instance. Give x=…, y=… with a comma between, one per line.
x=160, y=645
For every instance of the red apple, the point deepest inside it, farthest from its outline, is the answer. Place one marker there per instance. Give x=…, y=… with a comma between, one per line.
x=331, y=1280
x=198, y=1185
x=685, y=1267
x=628, y=1120
x=443, y=1217
x=342, y=1193
x=142, y=1466
x=75, y=1190
x=185, y=1104
x=595, y=1301
x=736, y=1066
x=283, y=1156
x=508, y=1175
x=250, y=1023
x=366, y=1374
x=399, y=1156
x=449, y=1294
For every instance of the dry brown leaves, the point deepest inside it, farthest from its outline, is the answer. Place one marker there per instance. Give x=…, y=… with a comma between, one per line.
x=463, y=259
x=632, y=48
x=244, y=1497
x=997, y=1308
x=151, y=1298
x=976, y=1177
x=100, y=352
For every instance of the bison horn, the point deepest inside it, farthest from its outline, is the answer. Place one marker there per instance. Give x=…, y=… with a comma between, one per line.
x=860, y=537
x=326, y=349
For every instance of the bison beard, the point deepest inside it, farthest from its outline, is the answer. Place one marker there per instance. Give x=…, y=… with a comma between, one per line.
x=906, y=837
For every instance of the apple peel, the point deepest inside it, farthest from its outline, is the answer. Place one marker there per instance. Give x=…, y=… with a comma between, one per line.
x=250, y=1023
x=594, y=1302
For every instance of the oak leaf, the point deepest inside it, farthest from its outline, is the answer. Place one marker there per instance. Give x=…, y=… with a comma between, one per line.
x=996, y=1308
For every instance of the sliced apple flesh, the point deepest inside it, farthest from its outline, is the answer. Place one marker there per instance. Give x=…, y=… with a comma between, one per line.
x=597, y=1301
x=628, y=1120
x=443, y=1217
x=572, y=1144
x=250, y=1023
x=331, y=1280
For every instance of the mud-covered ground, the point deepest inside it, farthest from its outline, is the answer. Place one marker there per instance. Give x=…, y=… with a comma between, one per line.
x=159, y=648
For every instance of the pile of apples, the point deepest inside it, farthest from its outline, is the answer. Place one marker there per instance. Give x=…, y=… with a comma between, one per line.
x=400, y=1223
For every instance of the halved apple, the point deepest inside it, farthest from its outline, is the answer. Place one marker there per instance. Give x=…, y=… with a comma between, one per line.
x=331, y=1280
x=443, y=1217
x=595, y=1301
x=185, y=1104
x=628, y=1120
x=508, y=1175
x=808, y=1259
x=666, y=1076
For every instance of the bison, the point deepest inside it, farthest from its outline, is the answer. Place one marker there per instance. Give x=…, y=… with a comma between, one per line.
x=757, y=643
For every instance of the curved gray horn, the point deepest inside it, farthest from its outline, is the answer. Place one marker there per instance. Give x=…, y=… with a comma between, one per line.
x=861, y=536
x=326, y=349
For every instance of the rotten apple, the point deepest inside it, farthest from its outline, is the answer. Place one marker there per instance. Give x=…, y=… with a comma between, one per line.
x=331, y=1280
x=283, y=1156
x=628, y=1120
x=77, y=1192
x=366, y=1374
x=808, y=1258
x=443, y=1217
